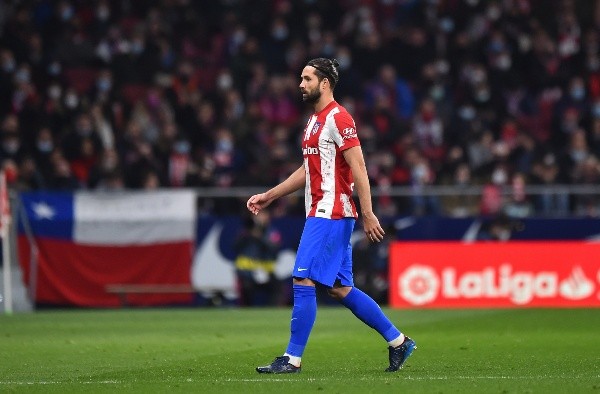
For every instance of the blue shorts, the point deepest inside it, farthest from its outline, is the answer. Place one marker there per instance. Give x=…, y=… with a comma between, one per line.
x=325, y=253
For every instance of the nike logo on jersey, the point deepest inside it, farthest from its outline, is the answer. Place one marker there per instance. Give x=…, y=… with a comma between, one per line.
x=302, y=269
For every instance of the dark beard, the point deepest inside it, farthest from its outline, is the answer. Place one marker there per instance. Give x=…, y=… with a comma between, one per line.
x=312, y=97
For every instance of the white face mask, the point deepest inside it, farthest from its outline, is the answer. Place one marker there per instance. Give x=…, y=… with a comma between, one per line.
x=466, y=112
x=103, y=13
x=45, y=146
x=503, y=62
x=9, y=66
x=71, y=101
x=280, y=33
x=499, y=177
x=225, y=82
x=54, y=92
x=11, y=146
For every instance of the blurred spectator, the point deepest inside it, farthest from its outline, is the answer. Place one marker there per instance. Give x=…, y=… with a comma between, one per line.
x=191, y=95
x=498, y=228
x=461, y=204
x=518, y=205
x=256, y=249
x=546, y=172
x=370, y=263
x=587, y=172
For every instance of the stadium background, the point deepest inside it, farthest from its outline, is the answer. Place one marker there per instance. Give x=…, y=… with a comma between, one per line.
x=479, y=112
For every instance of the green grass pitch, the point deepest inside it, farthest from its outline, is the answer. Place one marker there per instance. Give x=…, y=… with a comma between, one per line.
x=216, y=350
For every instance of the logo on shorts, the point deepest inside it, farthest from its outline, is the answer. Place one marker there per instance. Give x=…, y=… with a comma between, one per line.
x=302, y=269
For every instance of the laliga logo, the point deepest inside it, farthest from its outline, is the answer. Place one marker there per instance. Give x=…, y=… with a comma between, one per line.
x=421, y=284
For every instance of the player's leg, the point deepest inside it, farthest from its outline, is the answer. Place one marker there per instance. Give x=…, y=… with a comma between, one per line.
x=369, y=312
x=304, y=311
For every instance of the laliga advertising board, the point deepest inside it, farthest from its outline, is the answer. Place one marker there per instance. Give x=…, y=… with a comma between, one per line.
x=513, y=274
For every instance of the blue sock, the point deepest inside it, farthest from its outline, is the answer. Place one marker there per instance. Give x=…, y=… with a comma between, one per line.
x=304, y=315
x=367, y=310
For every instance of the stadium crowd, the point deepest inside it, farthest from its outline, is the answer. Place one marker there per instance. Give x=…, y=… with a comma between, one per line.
x=114, y=94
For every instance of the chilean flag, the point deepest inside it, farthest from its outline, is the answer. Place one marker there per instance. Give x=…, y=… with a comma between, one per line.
x=87, y=241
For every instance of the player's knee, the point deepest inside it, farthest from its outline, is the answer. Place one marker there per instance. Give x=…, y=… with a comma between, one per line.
x=339, y=293
x=303, y=281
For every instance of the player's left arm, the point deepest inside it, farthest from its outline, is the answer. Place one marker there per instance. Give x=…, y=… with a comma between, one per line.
x=355, y=159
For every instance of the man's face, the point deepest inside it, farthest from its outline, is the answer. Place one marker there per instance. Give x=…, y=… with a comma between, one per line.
x=310, y=87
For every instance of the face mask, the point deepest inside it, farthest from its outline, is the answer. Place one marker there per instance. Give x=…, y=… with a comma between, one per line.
x=577, y=93
x=109, y=164
x=67, y=13
x=84, y=131
x=437, y=92
x=524, y=43
x=22, y=76
x=71, y=101
x=54, y=68
x=104, y=84
x=45, y=146
x=182, y=147
x=466, y=113
x=9, y=66
x=578, y=155
x=503, y=62
x=224, y=145
x=280, y=33
x=493, y=13
x=103, y=13
x=238, y=37
x=496, y=46
x=54, y=92
x=11, y=146
x=447, y=25
x=137, y=47
x=477, y=76
x=482, y=95
x=238, y=109
x=499, y=177
x=225, y=82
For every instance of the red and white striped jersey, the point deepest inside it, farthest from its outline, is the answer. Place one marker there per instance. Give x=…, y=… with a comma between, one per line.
x=329, y=183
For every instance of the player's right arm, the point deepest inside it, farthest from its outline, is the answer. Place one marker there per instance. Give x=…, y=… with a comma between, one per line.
x=293, y=183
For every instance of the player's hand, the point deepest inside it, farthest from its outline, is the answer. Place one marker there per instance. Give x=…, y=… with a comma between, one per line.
x=257, y=202
x=373, y=229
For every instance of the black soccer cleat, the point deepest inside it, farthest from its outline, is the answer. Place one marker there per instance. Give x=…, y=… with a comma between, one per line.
x=398, y=355
x=279, y=365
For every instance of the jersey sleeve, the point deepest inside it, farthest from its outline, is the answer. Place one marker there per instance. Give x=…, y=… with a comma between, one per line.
x=345, y=135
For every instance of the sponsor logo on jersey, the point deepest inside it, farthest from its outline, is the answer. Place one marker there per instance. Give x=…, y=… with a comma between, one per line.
x=310, y=151
x=349, y=132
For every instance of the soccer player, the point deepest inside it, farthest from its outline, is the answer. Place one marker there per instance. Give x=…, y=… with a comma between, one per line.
x=333, y=166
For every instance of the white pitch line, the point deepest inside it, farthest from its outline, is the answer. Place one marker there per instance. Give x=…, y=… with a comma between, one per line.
x=371, y=378
x=47, y=382
x=275, y=380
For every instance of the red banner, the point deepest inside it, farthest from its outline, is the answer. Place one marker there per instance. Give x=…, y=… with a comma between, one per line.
x=512, y=274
